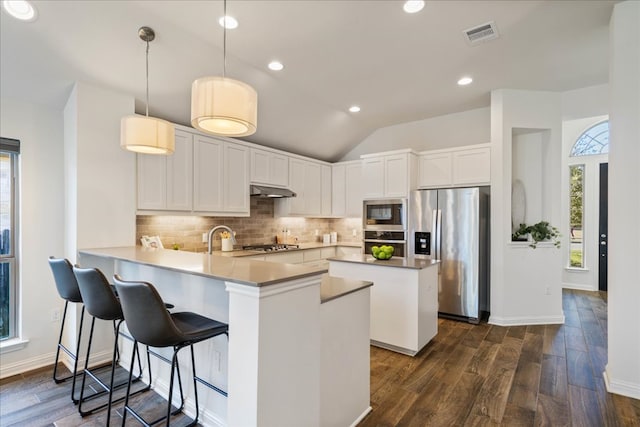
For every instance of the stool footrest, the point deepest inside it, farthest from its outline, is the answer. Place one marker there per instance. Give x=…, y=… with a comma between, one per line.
x=211, y=386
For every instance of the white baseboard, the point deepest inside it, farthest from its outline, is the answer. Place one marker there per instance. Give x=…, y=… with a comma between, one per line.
x=47, y=359
x=624, y=388
x=521, y=321
x=361, y=417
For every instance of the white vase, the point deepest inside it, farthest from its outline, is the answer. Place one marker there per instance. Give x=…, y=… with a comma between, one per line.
x=227, y=245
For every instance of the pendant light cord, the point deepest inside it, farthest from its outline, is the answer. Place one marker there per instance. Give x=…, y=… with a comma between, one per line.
x=224, y=41
x=147, y=75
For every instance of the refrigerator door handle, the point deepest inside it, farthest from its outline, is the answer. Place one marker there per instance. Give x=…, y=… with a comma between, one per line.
x=438, y=231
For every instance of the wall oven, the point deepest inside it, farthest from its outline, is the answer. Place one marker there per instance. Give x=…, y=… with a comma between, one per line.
x=397, y=239
x=386, y=215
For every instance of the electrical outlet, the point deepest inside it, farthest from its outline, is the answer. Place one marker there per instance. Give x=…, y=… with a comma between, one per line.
x=547, y=290
x=55, y=315
x=317, y=232
x=354, y=232
x=205, y=237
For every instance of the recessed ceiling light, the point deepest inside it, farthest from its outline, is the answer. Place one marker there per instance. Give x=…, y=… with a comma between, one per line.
x=464, y=81
x=228, y=22
x=275, y=65
x=413, y=6
x=20, y=9
x=354, y=109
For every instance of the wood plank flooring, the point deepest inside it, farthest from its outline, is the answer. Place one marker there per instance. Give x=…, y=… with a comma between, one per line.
x=487, y=375
x=468, y=375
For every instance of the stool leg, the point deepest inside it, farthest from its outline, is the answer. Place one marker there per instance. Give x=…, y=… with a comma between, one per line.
x=125, y=409
x=55, y=366
x=75, y=364
x=195, y=386
x=86, y=367
x=74, y=374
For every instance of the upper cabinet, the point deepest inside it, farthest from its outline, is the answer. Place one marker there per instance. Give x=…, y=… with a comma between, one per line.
x=165, y=182
x=205, y=175
x=311, y=181
x=456, y=167
x=389, y=175
x=346, y=189
x=269, y=168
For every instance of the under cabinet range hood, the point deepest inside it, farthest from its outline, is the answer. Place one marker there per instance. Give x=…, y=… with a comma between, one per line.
x=272, y=192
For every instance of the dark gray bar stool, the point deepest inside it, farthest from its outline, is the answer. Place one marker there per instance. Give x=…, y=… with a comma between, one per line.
x=102, y=303
x=68, y=290
x=150, y=323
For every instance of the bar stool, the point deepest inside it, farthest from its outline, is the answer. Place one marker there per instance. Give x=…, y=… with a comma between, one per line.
x=68, y=290
x=150, y=324
x=102, y=303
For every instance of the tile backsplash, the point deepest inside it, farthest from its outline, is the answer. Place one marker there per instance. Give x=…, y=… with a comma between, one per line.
x=259, y=228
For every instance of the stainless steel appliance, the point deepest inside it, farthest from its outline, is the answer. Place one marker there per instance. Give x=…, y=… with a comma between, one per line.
x=386, y=215
x=397, y=239
x=452, y=226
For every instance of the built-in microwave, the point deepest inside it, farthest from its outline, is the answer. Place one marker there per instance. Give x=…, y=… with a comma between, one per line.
x=388, y=214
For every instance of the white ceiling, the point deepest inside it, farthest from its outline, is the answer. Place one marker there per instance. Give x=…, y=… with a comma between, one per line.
x=397, y=67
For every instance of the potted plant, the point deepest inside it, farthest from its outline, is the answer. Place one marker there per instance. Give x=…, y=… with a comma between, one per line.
x=540, y=232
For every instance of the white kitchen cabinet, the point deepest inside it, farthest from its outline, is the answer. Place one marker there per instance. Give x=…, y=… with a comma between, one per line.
x=346, y=189
x=472, y=166
x=389, y=175
x=311, y=182
x=457, y=167
x=292, y=257
x=435, y=170
x=165, y=182
x=221, y=176
x=269, y=168
x=348, y=250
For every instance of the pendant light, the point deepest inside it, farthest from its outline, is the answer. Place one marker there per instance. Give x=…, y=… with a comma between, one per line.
x=224, y=106
x=144, y=134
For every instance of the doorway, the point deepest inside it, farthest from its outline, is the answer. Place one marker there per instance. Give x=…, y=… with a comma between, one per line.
x=603, y=232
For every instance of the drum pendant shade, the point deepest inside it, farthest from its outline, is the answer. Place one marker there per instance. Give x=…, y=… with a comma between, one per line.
x=147, y=135
x=224, y=106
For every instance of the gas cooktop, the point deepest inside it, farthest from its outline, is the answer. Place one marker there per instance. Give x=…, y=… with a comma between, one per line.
x=269, y=247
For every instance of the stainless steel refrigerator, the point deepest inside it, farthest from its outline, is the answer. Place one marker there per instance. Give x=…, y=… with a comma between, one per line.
x=452, y=226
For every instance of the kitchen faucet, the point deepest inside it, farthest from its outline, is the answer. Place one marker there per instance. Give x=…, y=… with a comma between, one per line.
x=216, y=228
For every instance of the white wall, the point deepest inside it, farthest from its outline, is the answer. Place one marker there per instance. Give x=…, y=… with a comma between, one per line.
x=623, y=369
x=585, y=102
x=40, y=132
x=525, y=282
x=451, y=130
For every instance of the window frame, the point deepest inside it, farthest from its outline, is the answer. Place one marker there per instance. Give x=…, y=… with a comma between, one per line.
x=11, y=148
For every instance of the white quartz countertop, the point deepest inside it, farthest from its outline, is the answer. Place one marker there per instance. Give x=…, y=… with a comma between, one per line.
x=398, y=262
x=301, y=247
x=234, y=269
x=336, y=287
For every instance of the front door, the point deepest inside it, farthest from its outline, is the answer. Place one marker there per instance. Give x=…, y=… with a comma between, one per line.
x=603, y=228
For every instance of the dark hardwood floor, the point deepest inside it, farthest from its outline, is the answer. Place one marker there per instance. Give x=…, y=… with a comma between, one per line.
x=488, y=375
x=468, y=375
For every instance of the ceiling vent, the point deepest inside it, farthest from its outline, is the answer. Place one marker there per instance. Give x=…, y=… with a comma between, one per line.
x=481, y=33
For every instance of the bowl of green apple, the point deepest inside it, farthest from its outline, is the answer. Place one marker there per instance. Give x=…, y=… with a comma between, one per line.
x=383, y=252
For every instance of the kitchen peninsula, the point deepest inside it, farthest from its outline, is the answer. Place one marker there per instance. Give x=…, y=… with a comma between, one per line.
x=404, y=301
x=298, y=346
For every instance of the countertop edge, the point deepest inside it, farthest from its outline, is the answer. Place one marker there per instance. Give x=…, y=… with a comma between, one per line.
x=332, y=288
x=407, y=263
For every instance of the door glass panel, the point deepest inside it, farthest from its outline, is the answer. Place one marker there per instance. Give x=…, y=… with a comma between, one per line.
x=7, y=253
x=576, y=215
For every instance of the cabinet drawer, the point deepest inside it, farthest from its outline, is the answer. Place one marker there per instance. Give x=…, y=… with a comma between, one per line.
x=311, y=255
x=286, y=258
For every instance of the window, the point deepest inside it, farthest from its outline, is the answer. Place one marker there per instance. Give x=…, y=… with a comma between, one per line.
x=576, y=215
x=9, y=151
x=594, y=140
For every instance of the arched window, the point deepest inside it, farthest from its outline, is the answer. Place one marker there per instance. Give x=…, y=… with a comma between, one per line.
x=594, y=140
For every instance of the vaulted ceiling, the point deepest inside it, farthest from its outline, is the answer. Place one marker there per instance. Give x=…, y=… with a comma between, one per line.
x=397, y=67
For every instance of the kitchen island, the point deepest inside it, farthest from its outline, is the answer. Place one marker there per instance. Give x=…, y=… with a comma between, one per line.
x=404, y=300
x=284, y=363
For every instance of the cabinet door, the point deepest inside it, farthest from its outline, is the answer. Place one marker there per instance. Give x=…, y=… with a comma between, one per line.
x=373, y=176
x=180, y=174
x=353, y=188
x=297, y=179
x=260, y=166
x=312, y=189
x=236, y=178
x=326, y=190
x=279, y=172
x=396, y=173
x=338, y=190
x=472, y=166
x=152, y=181
x=207, y=174
x=435, y=170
